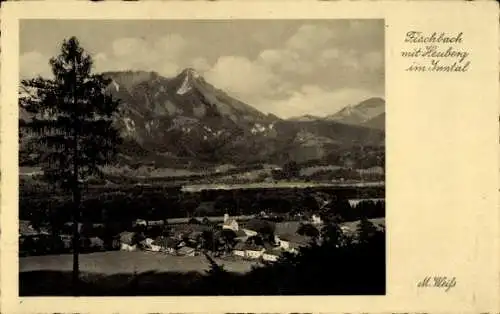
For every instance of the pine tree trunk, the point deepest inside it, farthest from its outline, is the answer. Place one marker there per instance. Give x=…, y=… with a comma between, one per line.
x=76, y=240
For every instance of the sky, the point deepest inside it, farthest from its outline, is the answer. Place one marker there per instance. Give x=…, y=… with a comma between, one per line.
x=285, y=67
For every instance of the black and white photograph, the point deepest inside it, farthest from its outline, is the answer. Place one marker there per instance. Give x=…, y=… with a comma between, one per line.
x=192, y=157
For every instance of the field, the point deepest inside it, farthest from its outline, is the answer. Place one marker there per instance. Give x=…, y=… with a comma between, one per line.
x=119, y=262
x=278, y=185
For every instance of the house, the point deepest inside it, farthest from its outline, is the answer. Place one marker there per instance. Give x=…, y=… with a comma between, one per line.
x=39, y=238
x=67, y=241
x=127, y=247
x=248, y=250
x=250, y=233
x=146, y=244
x=153, y=247
x=254, y=251
x=282, y=243
x=239, y=249
x=96, y=244
x=230, y=223
x=148, y=241
x=241, y=235
x=346, y=229
x=292, y=242
x=316, y=219
x=156, y=222
x=126, y=241
x=272, y=255
x=186, y=251
x=140, y=222
x=26, y=229
x=263, y=214
x=163, y=244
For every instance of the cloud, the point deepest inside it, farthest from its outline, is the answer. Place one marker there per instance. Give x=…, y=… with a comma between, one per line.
x=34, y=63
x=312, y=99
x=242, y=77
x=286, y=61
x=163, y=55
x=171, y=45
x=200, y=64
x=127, y=46
x=309, y=38
x=373, y=60
x=322, y=51
x=301, y=53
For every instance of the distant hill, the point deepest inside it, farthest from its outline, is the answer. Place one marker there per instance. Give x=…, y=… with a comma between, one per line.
x=362, y=113
x=306, y=117
x=185, y=120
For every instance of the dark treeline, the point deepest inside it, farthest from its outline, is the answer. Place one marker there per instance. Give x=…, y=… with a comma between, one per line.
x=125, y=206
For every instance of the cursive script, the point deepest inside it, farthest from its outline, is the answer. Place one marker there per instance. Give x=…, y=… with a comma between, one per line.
x=442, y=282
x=436, y=52
x=420, y=37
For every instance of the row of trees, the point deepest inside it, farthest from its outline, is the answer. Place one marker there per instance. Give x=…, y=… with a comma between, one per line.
x=125, y=208
x=347, y=170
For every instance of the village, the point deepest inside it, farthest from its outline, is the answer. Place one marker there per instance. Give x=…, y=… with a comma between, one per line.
x=252, y=238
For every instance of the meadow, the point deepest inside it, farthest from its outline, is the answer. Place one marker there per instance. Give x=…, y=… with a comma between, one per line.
x=120, y=262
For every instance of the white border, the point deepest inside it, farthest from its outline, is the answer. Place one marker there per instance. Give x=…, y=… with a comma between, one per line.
x=422, y=239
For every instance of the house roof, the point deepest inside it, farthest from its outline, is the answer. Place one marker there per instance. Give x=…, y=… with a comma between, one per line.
x=126, y=237
x=26, y=229
x=240, y=233
x=230, y=221
x=274, y=251
x=96, y=241
x=240, y=246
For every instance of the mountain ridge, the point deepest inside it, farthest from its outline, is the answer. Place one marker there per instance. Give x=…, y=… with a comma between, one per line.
x=361, y=113
x=186, y=119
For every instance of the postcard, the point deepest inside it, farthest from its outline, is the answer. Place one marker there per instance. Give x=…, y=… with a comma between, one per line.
x=234, y=156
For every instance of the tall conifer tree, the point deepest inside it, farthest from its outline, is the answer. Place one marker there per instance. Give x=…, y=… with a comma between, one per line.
x=71, y=126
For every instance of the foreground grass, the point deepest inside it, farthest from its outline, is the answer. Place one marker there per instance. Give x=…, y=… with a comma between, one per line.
x=119, y=262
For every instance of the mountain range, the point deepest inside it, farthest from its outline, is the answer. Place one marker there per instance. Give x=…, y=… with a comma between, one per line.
x=368, y=113
x=186, y=120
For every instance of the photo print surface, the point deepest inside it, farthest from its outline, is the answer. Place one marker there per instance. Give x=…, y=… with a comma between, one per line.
x=202, y=157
